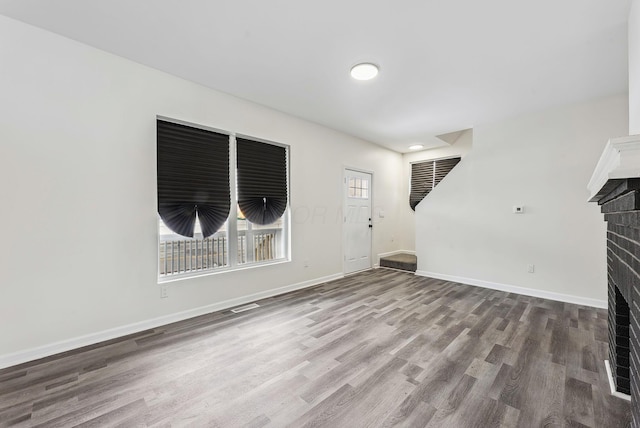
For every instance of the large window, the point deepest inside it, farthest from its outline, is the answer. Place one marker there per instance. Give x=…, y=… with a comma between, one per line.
x=222, y=201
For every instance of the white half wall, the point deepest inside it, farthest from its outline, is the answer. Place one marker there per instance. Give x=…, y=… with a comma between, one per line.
x=78, y=192
x=634, y=68
x=465, y=227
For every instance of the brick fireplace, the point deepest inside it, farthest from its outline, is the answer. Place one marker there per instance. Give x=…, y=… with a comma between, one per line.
x=615, y=186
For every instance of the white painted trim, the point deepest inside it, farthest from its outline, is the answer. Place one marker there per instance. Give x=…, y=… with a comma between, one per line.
x=620, y=159
x=8, y=360
x=393, y=253
x=567, y=298
x=192, y=124
x=394, y=269
x=611, y=384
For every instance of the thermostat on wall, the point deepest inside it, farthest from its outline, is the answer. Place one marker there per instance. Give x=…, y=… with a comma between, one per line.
x=518, y=209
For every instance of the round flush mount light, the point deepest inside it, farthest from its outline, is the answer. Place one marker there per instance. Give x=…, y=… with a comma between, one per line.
x=416, y=147
x=364, y=71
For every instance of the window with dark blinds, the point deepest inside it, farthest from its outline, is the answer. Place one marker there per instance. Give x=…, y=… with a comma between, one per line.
x=426, y=175
x=442, y=168
x=262, y=180
x=193, y=178
x=421, y=182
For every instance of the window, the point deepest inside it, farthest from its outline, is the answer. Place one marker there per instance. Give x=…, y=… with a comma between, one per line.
x=198, y=184
x=426, y=175
x=358, y=188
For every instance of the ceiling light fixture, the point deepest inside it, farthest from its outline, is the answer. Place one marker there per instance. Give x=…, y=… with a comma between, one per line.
x=416, y=147
x=364, y=71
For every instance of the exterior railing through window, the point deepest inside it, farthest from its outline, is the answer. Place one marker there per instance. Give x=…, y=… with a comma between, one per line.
x=179, y=255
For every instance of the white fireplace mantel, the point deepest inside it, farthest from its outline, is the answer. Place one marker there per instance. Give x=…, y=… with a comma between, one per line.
x=619, y=160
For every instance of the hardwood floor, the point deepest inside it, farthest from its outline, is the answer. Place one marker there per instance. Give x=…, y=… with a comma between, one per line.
x=377, y=349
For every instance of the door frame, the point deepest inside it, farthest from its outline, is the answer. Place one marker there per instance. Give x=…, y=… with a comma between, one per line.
x=343, y=253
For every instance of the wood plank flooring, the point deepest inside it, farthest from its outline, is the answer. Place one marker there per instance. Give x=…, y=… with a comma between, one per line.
x=377, y=349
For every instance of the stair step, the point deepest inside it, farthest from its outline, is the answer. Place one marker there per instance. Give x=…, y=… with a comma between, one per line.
x=402, y=261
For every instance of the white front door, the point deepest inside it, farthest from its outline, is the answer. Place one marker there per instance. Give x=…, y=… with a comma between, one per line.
x=357, y=221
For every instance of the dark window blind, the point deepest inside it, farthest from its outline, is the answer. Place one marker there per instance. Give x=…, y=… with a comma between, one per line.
x=426, y=175
x=421, y=182
x=443, y=167
x=193, y=178
x=262, y=180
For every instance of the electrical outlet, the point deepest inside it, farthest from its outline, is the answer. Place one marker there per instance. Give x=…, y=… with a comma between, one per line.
x=164, y=291
x=531, y=268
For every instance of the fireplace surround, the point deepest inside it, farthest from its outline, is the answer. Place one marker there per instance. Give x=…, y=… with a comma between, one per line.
x=615, y=186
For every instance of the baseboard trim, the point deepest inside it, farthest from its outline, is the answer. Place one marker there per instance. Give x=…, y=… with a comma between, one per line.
x=567, y=298
x=20, y=357
x=393, y=253
x=611, y=384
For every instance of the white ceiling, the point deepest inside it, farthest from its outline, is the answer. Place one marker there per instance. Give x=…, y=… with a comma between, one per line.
x=445, y=65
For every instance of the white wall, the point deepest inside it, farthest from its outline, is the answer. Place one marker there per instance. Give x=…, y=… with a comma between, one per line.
x=634, y=68
x=78, y=191
x=466, y=229
x=459, y=148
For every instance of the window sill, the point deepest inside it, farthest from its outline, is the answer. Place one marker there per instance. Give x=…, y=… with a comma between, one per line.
x=200, y=274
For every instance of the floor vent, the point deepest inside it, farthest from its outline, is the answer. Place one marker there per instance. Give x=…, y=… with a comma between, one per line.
x=245, y=308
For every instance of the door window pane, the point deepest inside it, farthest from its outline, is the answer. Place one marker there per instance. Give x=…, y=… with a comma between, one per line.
x=358, y=188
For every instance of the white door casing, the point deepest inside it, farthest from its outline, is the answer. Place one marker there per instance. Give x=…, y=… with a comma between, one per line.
x=357, y=227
